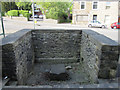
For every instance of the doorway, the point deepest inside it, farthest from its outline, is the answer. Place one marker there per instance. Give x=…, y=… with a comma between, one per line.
x=94, y=17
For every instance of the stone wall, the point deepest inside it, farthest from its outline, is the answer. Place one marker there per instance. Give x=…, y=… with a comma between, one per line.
x=50, y=21
x=109, y=61
x=99, y=55
x=17, y=18
x=18, y=56
x=8, y=61
x=56, y=46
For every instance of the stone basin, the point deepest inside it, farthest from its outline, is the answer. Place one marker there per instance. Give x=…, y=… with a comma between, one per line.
x=91, y=55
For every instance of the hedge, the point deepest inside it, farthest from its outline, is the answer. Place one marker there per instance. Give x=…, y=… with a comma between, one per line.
x=23, y=11
x=18, y=12
x=64, y=21
x=13, y=13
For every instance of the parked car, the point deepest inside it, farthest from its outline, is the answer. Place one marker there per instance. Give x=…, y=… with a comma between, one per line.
x=35, y=16
x=95, y=23
x=41, y=16
x=115, y=25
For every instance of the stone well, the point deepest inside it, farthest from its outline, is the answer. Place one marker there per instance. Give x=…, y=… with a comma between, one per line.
x=97, y=54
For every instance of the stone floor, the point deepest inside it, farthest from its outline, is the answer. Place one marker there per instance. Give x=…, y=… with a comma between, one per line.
x=77, y=75
x=79, y=79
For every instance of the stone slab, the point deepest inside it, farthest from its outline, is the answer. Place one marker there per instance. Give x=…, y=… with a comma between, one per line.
x=57, y=69
x=100, y=38
x=14, y=37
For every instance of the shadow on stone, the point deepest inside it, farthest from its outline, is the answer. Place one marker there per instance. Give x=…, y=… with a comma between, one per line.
x=57, y=77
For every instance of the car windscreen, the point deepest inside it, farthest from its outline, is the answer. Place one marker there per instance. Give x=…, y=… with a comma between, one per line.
x=98, y=22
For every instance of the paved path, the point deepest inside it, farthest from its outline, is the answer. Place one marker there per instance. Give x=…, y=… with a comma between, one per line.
x=75, y=86
x=12, y=26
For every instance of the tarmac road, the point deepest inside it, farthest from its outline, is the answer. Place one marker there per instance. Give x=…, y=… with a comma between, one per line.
x=12, y=26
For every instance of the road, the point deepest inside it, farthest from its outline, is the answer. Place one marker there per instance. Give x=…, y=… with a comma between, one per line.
x=12, y=26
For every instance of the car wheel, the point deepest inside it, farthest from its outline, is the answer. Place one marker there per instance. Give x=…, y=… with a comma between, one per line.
x=89, y=25
x=103, y=26
x=115, y=27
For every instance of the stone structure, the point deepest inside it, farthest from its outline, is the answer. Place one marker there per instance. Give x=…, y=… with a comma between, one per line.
x=97, y=54
x=60, y=45
x=18, y=56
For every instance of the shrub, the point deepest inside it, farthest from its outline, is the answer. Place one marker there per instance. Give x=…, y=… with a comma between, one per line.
x=64, y=21
x=63, y=18
x=60, y=16
x=20, y=11
x=2, y=13
x=52, y=14
x=25, y=14
x=23, y=11
x=47, y=16
x=17, y=12
x=13, y=13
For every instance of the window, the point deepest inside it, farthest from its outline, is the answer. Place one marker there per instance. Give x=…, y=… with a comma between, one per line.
x=82, y=18
x=94, y=17
x=82, y=6
x=107, y=5
x=95, y=5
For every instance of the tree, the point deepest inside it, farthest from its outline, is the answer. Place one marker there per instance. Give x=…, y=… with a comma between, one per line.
x=55, y=10
x=6, y=6
x=24, y=5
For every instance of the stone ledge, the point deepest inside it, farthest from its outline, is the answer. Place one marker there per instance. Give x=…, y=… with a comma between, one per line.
x=100, y=38
x=14, y=37
x=56, y=60
x=104, y=85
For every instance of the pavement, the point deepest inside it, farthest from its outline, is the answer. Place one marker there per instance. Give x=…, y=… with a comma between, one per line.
x=12, y=26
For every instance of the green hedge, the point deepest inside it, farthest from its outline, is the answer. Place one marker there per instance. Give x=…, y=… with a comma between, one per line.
x=64, y=21
x=13, y=13
x=26, y=14
x=23, y=11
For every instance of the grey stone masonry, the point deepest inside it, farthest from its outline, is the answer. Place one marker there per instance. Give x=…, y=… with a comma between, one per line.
x=8, y=61
x=56, y=45
x=18, y=56
x=97, y=54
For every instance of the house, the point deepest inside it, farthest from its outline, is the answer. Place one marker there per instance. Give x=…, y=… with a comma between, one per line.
x=103, y=11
